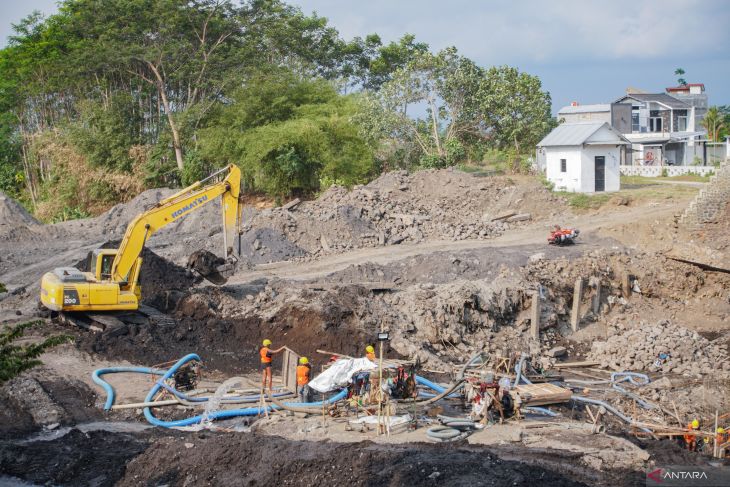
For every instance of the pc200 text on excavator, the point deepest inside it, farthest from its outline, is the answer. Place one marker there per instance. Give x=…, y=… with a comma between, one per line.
x=113, y=283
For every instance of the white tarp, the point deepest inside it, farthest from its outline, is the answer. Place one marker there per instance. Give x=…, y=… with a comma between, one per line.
x=340, y=373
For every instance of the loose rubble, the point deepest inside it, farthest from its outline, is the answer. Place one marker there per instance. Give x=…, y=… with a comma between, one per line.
x=640, y=348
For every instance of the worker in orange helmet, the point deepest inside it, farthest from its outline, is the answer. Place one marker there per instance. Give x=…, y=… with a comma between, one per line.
x=266, y=354
x=690, y=440
x=304, y=371
x=370, y=353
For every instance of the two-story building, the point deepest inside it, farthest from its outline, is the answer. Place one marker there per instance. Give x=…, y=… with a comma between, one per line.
x=662, y=129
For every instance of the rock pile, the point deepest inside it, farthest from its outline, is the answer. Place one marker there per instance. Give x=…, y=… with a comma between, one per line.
x=639, y=348
x=400, y=207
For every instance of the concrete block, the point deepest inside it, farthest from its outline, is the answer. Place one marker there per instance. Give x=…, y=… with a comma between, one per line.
x=577, y=296
x=535, y=317
x=557, y=352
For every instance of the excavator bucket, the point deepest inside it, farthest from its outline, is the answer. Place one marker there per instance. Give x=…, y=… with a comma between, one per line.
x=210, y=266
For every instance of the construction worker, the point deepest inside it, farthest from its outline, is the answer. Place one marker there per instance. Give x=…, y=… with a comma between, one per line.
x=304, y=371
x=721, y=438
x=690, y=440
x=370, y=353
x=266, y=353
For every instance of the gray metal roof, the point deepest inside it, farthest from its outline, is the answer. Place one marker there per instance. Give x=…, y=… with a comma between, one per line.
x=571, y=134
x=662, y=98
x=599, y=107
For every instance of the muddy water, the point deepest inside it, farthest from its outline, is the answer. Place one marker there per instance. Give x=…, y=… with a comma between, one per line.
x=108, y=426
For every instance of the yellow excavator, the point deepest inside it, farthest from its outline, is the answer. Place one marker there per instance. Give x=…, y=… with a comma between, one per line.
x=113, y=283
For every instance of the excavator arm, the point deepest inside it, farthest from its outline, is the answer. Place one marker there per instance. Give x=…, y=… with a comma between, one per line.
x=175, y=207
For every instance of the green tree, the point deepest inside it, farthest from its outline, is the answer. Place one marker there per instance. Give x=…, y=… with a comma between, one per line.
x=445, y=83
x=288, y=132
x=382, y=61
x=515, y=109
x=14, y=358
x=713, y=122
x=680, y=81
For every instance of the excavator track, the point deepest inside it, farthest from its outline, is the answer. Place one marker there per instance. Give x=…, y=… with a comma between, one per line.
x=111, y=322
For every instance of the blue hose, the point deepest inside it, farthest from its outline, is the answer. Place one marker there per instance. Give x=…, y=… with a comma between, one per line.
x=96, y=377
x=429, y=384
x=617, y=377
x=230, y=413
x=539, y=410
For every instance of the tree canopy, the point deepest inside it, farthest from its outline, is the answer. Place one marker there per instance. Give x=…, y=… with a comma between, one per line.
x=157, y=92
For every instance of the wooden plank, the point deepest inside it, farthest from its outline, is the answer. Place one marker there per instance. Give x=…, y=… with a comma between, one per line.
x=541, y=394
x=704, y=267
x=292, y=204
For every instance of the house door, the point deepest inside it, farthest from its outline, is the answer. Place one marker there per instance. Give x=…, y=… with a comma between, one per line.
x=600, y=177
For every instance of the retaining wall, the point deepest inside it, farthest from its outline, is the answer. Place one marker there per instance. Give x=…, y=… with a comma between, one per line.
x=707, y=206
x=656, y=171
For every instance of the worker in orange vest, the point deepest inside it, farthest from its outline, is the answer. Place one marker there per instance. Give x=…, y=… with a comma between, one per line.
x=304, y=371
x=266, y=353
x=721, y=438
x=370, y=353
x=690, y=440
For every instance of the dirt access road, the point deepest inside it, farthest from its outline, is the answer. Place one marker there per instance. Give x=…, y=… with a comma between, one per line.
x=532, y=237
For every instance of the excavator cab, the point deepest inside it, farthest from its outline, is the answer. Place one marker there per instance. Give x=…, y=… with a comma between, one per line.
x=101, y=263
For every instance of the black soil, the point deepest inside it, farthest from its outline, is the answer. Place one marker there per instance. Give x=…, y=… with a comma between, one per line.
x=236, y=459
x=161, y=280
x=231, y=345
x=95, y=458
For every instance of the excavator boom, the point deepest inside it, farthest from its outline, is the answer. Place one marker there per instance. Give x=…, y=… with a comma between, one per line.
x=113, y=283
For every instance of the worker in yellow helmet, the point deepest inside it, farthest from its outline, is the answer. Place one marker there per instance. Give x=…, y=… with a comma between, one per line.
x=266, y=353
x=721, y=438
x=304, y=371
x=370, y=353
x=690, y=440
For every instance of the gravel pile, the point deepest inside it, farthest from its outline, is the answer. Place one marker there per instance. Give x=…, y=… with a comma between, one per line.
x=403, y=208
x=639, y=348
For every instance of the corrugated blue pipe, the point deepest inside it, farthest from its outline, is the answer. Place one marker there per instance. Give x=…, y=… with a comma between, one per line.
x=230, y=413
x=96, y=377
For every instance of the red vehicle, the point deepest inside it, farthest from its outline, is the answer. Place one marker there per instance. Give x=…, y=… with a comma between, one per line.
x=563, y=236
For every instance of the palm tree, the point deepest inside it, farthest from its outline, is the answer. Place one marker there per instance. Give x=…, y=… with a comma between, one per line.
x=713, y=123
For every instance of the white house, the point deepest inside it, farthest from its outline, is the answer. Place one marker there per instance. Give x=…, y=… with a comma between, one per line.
x=583, y=157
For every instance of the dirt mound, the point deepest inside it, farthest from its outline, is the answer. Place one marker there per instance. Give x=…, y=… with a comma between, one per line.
x=263, y=245
x=94, y=458
x=209, y=460
x=31, y=401
x=400, y=207
x=12, y=213
x=117, y=218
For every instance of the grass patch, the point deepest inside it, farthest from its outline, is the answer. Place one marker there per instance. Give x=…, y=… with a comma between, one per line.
x=637, y=194
x=694, y=178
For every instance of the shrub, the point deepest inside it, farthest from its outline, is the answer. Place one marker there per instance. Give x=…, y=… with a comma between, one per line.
x=14, y=358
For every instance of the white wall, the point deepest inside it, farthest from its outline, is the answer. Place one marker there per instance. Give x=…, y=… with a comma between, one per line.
x=586, y=117
x=613, y=173
x=564, y=181
x=580, y=170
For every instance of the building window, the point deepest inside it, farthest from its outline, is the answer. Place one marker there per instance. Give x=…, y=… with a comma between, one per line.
x=655, y=124
x=635, y=121
x=563, y=165
x=681, y=124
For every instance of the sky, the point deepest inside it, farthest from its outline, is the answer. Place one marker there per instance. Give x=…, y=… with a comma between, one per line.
x=587, y=51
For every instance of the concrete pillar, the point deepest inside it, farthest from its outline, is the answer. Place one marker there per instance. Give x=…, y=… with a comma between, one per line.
x=577, y=295
x=595, y=283
x=626, y=285
x=535, y=317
